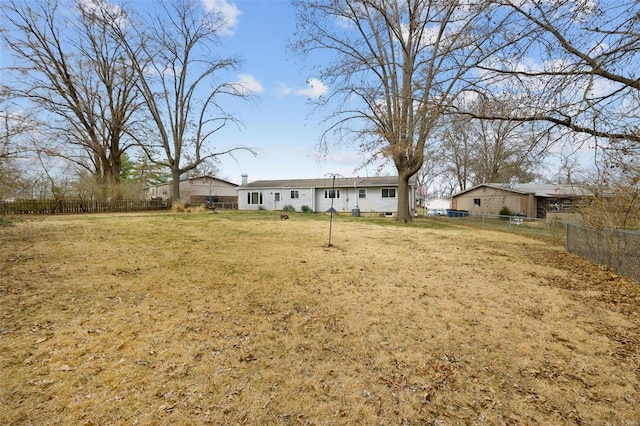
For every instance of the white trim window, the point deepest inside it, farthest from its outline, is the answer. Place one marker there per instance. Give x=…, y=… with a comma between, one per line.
x=362, y=193
x=388, y=193
x=295, y=194
x=331, y=193
x=254, y=197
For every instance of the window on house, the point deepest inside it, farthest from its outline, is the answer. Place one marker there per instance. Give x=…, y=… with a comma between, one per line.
x=254, y=197
x=476, y=202
x=331, y=193
x=388, y=193
x=362, y=193
x=295, y=194
x=567, y=205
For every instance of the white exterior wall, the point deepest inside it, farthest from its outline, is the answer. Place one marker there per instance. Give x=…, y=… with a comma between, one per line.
x=306, y=198
x=314, y=198
x=438, y=203
x=158, y=191
x=349, y=200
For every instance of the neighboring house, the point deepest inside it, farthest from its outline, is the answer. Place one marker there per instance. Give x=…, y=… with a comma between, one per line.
x=200, y=190
x=530, y=200
x=368, y=195
x=437, y=205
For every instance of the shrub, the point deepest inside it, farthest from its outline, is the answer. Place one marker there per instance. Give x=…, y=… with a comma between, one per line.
x=288, y=208
x=197, y=209
x=177, y=207
x=504, y=211
x=306, y=209
x=261, y=207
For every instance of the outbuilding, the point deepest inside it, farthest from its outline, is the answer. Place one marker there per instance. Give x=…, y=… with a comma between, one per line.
x=208, y=190
x=530, y=200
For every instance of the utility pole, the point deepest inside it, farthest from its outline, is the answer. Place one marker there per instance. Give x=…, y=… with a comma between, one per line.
x=332, y=195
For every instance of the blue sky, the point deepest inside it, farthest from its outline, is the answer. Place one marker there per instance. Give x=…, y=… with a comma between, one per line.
x=280, y=124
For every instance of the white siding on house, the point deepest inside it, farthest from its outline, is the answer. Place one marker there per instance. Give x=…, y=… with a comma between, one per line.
x=312, y=194
x=305, y=198
x=349, y=200
x=158, y=191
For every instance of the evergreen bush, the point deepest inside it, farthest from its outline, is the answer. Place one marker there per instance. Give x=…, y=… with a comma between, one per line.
x=504, y=211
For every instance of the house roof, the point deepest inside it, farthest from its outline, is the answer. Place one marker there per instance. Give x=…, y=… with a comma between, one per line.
x=205, y=177
x=327, y=182
x=539, y=190
x=208, y=177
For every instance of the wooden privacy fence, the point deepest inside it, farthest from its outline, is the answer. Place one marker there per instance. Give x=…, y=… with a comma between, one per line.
x=77, y=206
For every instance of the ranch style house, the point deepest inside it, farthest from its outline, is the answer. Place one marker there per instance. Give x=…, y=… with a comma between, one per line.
x=368, y=195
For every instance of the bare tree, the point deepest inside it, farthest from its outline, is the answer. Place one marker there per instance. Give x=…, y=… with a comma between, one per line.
x=71, y=71
x=574, y=63
x=431, y=172
x=457, y=150
x=182, y=81
x=393, y=68
x=13, y=128
x=504, y=149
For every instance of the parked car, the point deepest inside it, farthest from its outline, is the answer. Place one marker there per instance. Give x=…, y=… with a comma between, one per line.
x=437, y=212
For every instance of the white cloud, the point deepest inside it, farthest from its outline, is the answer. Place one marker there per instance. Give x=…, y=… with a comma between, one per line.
x=106, y=10
x=602, y=87
x=228, y=11
x=315, y=89
x=344, y=22
x=344, y=158
x=283, y=90
x=247, y=84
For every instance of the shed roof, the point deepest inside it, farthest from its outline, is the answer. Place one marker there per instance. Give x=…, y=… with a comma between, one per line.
x=327, y=182
x=551, y=190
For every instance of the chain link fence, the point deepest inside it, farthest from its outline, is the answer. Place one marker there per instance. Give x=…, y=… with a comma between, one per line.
x=553, y=230
x=618, y=249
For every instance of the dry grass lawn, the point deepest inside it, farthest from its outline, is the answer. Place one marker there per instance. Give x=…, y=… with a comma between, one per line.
x=242, y=318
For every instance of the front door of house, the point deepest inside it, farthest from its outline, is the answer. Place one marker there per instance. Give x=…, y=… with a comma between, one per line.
x=276, y=201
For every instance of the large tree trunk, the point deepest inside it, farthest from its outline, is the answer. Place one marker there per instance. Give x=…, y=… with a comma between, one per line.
x=175, y=187
x=404, y=206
